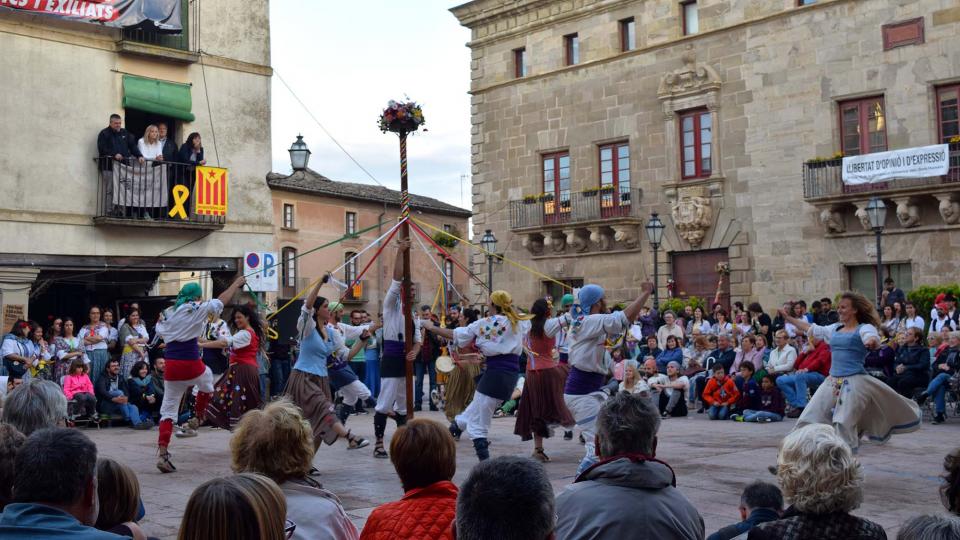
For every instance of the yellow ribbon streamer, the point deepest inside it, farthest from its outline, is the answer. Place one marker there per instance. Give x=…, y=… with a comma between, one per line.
x=180, y=196
x=494, y=255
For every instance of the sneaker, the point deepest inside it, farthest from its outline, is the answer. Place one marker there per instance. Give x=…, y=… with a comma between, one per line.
x=455, y=430
x=582, y=440
x=433, y=407
x=921, y=398
x=143, y=426
x=568, y=435
x=794, y=412
x=700, y=410
x=737, y=418
x=434, y=396
x=499, y=413
x=185, y=431
x=164, y=464
x=193, y=423
x=664, y=415
x=418, y=407
x=766, y=419
x=939, y=418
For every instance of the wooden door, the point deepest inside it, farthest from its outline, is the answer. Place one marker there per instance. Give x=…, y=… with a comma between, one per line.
x=695, y=273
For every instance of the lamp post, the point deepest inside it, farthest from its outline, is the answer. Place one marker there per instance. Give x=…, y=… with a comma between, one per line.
x=489, y=244
x=877, y=212
x=299, y=154
x=654, y=229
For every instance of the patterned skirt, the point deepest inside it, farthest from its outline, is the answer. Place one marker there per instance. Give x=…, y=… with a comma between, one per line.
x=312, y=394
x=236, y=392
x=460, y=387
x=542, y=405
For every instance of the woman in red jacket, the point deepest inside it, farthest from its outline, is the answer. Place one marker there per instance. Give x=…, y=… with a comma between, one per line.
x=425, y=456
x=720, y=394
x=238, y=389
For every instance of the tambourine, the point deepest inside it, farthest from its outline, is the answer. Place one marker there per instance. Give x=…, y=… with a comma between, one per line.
x=444, y=364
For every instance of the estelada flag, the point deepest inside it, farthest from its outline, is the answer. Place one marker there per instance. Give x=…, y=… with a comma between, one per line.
x=210, y=191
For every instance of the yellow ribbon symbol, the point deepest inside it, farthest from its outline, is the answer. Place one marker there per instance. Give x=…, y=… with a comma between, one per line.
x=180, y=196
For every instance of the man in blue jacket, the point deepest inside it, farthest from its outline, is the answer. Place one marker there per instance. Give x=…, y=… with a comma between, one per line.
x=761, y=502
x=54, y=489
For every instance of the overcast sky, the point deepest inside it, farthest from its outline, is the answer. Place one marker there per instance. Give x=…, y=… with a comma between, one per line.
x=346, y=60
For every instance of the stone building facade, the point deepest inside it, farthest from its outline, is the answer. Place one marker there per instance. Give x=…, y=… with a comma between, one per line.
x=714, y=114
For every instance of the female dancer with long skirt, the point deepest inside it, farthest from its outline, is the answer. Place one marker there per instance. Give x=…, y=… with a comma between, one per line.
x=461, y=382
x=179, y=327
x=541, y=404
x=855, y=403
x=238, y=389
x=308, y=387
x=500, y=338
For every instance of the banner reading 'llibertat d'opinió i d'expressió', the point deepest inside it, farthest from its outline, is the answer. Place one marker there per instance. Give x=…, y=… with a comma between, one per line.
x=165, y=14
x=919, y=162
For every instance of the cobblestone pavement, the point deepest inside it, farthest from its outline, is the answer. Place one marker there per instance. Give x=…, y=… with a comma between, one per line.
x=713, y=462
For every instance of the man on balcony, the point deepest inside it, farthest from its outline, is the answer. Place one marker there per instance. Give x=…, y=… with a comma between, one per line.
x=114, y=144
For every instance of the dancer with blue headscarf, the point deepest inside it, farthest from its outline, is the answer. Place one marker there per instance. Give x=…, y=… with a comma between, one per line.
x=589, y=325
x=180, y=326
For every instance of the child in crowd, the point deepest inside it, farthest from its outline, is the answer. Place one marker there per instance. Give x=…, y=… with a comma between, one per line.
x=770, y=404
x=78, y=388
x=749, y=389
x=721, y=393
x=616, y=358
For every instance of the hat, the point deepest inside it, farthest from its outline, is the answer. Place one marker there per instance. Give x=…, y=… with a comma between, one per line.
x=334, y=306
x=188, y=292
x=590, y=295
x=566, y=300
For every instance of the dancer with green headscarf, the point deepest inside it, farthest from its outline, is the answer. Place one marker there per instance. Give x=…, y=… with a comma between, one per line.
x=180, y=325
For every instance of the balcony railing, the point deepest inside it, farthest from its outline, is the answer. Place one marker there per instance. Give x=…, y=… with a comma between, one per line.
x=358, y=293
x=580, y=207
x=138, y=193
x=825, y=179
x=149, y=35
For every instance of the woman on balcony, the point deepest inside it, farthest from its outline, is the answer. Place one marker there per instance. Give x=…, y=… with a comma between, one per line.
x=153, y=189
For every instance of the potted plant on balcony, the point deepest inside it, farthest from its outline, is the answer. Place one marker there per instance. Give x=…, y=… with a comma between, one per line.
x=446, y=239
x=820, y=162
x=530, y=199
x=954, y=143
x=545, y=197
x=592, y=192
x=606, y=189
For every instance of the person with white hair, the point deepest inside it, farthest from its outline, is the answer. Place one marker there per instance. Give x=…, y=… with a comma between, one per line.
x=823, y=482
x=36, y=404
x=930, y=527
x=586, y=388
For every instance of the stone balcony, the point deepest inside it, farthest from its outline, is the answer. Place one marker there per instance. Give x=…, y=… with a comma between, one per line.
x=583, y=222
x=916, y=201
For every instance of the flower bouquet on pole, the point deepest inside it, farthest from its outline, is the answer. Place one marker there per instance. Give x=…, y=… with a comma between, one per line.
x=402, y=117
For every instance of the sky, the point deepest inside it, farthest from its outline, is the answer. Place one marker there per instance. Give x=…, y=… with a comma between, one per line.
x=345, y=61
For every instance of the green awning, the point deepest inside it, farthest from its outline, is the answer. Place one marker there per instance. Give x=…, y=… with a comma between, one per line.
x=159, y=97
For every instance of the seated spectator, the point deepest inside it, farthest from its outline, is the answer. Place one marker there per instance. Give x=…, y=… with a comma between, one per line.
x=723, y=355
x=142, y=390
x=650, y=349
x=16, y=349
x=944, y=369
x=652, y=376
x=950, y=488
x=673, y=394
x=54, y=489
x=782, y=357
x=770, y=403
x=159, y=367
x=695, y=353
x=698, y=323
x=507, y=498
x=244, y=506
x=764, y=350
x=748, y=353
x=629, y=490
x=78, y=388
x=748, y=388
x=669, y=328
x=672, y=353
x=879, y=362
x=760, y=502
x=722, y=326
x=930, y=528
x=913, y=319
x=823, y=483
x=940, y=320
x=812, y=368
x=424, y=455
x=118, y=492
x=253, y=449
x=720, y=394
x=633, y=382
x=34, y=405
x=615, y=357
x=113, y=397
x=10, y=441
x=911, y=368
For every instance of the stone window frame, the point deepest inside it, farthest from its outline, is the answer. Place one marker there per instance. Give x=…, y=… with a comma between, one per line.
x=288, y=255
x=348, y=227
x=571, y=49
x=624, y=25
x=698, y=173
x=521, y=67
x=859, y=101
x=684, y=23
x=673, y=107
x=937, y=90
x=292, y=224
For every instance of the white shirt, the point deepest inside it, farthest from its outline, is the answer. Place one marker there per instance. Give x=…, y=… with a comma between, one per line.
x=937, y=324
x=782, y=361
x=393, y=322
x=640, y=387
x=588, y=335
x=665, y=331
x=150, y=151
x=102, y=331
x=239, y=340
x=684, y=383
x=13, y=346
x=916, y=322
x=494, y=335
x=141, y=331
x=188, y=321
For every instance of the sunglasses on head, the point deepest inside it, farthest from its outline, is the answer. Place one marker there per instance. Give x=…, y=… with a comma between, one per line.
x=288, y=529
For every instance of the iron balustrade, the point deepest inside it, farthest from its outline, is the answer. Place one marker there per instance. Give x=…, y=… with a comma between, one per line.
x=142, y=192
x=825, y=179
x=578, y=207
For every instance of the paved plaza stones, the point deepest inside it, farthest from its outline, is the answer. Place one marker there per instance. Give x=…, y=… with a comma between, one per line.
x=713, y=462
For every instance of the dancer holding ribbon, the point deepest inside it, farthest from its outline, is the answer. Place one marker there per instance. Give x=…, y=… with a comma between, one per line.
x=342, y=377
x=180, y=325
x=500, y=338
x=590, y=325
x=238, y=389
x=392, y=400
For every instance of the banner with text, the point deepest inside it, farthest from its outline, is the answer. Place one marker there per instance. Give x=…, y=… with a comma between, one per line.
x=165, y=14
x=920, y=162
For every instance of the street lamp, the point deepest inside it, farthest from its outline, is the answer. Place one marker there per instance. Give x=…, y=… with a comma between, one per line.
x=655, y=236
x=299, y=154
x=877, y=212
x=489, y=244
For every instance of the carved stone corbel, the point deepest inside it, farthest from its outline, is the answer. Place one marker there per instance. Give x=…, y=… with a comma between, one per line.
x=556, y=241
x=533, y=243
x=862, y=215
x=908, y=212
x=832, y=220
x=626, y=235
x=576, y=240
x=949, y=207
x=601, y=237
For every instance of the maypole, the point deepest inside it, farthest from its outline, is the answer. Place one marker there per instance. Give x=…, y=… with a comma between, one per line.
x=404, y=118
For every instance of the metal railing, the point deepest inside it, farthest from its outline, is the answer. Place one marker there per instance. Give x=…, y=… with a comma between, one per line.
x=825, y=178
x=574, y=207
x=149, y=34
x=135, y=191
